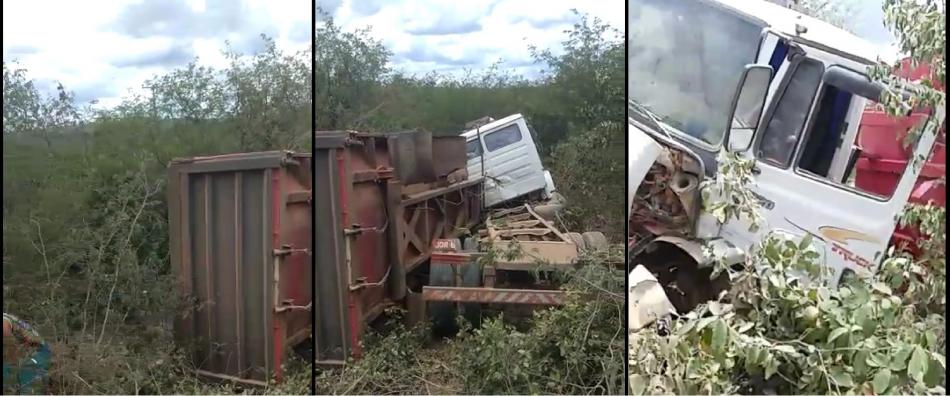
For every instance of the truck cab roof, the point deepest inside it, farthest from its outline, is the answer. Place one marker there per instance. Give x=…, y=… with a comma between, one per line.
x=491, y=125
x=784, y=20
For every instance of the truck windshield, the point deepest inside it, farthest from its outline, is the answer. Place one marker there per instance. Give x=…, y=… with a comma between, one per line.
x=686, y=57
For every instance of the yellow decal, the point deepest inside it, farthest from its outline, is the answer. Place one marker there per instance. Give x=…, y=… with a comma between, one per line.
x=842, y=235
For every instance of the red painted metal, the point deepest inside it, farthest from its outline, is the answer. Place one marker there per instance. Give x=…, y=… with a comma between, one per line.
x=235, y=222
x=275, y=241
x=373, y=230
x=884, y=158
x=344, y=211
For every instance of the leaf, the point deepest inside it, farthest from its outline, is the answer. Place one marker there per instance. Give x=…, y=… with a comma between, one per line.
x=881, y=381
x=837, y=333
x=771, y=367
x=787, y=349
x=842, y=378
x=745, y=327
x=917, y=366
x=638, y=384
x=704, y=322
x=882, y=288
x=720, y=333
x=806, y=242
x=931, y=338
x=899, y=359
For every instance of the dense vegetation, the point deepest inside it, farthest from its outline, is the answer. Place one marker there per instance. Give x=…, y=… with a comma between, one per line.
x=85, y=239
x=570, y=350
x=85, y=232
x=576, y=107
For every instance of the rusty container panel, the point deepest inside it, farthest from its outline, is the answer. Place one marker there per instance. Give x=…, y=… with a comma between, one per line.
x=448, y=154
x=411, y=154
x=369, y=234
x=239, y=229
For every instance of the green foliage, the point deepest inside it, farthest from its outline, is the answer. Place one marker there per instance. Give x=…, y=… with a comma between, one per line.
x=393, y=363
x=728, y=197
x=573, y=349
x=783, y=331
x=921, y=30
x=589, y=170
x=85, y=225
x=923, y=280
x=575, y=108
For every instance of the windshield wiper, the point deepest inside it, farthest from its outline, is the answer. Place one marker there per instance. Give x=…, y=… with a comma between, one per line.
x=646, y=113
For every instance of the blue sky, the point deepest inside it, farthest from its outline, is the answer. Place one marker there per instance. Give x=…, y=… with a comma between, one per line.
x=452, y=36
x=102, y=49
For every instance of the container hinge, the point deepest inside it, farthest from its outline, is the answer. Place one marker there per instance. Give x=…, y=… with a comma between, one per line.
x=353, y=142
x=288, y=250
x=373, y=175
x=362, y=283
x=357, y=229
x=287, y=305
x=300, y=197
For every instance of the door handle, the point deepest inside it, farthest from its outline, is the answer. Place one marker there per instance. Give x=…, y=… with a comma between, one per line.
x=756, y=170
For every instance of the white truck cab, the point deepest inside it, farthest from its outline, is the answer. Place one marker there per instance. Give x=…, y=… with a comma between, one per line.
x=781, y=88
x=504, y=152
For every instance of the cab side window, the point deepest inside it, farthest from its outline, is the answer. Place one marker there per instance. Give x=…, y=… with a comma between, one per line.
x=784, y=128
x=506, y=136
x=473, y=149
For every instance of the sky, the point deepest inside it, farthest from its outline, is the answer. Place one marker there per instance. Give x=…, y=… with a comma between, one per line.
x=449, y=36
x=452, y=36
x=102, y=49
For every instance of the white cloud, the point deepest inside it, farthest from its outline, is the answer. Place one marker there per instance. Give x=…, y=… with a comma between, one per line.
x=87, y=47
x=448, y=36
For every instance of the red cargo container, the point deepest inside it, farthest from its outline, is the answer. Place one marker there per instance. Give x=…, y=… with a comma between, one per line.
x=884, y=158
x=239, y=236
x=373, y=232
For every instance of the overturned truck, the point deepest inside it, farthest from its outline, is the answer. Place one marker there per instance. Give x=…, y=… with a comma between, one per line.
x=789, y=95
x=279, y=250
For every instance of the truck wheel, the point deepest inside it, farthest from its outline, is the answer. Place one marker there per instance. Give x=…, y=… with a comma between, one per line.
x=470, y=244
x=442, y=314
x=472, y=277
x=595, y=240
x=548, y=211
x=578, y=240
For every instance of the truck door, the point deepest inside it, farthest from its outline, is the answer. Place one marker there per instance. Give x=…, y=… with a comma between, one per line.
x=803, y=135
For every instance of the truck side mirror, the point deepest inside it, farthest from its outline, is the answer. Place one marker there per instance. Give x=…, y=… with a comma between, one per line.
x=747, y=105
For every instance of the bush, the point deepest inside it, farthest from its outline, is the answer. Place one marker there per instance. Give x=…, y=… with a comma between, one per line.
x=573, y=349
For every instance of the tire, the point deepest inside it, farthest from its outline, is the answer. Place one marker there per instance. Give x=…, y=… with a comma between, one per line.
x=472, y=277
x=442, y=314
x=470, y=244
x=594, y=240
x=578, y=240
x=548, y=211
